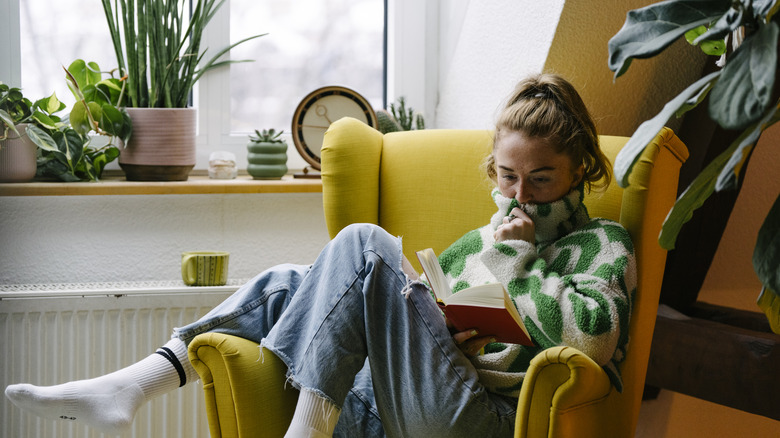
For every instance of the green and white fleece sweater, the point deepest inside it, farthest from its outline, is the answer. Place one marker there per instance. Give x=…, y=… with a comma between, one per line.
x=574, y=287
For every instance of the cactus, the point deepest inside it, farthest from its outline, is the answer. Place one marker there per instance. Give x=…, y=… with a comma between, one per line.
x=267, y=136
x=386, y=122
x=399, y=118
x=419, y=121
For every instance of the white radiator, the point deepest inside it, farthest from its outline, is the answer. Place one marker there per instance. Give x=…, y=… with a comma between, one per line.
x=51, y=334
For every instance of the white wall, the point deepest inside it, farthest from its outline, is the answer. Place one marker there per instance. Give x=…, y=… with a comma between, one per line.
x=484, y=49
x=73, y=239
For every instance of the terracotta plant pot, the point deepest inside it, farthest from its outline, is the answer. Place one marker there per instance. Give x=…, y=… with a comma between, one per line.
x=18, y=155
x=162, y=147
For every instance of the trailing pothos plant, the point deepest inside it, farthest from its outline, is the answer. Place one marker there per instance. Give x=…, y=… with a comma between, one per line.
x=70, y=149
x=14, y=109
x=742, y=96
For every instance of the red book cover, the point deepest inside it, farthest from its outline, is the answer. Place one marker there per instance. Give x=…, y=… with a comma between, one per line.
x=486, y=307
x=488, y=321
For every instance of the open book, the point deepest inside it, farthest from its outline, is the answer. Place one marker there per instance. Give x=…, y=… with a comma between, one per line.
x=486, y=307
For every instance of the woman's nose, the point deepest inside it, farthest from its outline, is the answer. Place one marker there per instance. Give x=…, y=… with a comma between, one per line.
x=522, y=193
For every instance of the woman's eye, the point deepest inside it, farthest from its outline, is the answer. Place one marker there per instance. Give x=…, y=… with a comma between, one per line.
x=541, y=180
x=509, y=177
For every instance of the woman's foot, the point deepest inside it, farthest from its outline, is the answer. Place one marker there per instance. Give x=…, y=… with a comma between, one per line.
x=108, y=403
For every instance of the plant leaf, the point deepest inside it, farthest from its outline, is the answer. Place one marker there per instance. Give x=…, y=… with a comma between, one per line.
x=729, y=176
x=766, y=255
x=701, y=188
x=84, y=74
x=73, y=145
x=9, y=122
x=52, y=167
x=110, y=90
x=101, y=158
x=648, y=31
x=44, y=120
x=694, y=196
x=212, y=63
x=42, y=139
x=744, y=91
x=769, y=302
x=694, y=33
x=731, y=20
x=50, y=105
x=766, y=8
x=713, y=47
x=80, y=120
x=111, y=120
x=128, y=131
x=92, y=94
x=647, y=131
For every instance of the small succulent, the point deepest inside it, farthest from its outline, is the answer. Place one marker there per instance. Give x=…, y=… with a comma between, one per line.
x=266, y=136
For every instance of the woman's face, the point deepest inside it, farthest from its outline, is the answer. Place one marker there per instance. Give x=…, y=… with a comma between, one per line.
x=529, y=170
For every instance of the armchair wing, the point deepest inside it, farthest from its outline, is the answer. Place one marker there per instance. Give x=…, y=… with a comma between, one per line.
x=428, y=187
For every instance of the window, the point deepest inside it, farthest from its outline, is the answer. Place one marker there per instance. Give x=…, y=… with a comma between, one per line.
x=310, y=43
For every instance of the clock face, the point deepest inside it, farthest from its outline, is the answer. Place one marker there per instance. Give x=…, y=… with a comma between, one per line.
x=318, y=110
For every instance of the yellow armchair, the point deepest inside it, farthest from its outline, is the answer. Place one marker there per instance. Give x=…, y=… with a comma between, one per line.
x=428, y=187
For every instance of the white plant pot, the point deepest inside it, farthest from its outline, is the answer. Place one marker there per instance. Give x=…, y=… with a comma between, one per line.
x=18, y=156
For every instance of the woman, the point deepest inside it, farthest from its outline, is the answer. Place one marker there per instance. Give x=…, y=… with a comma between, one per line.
x=362, y=338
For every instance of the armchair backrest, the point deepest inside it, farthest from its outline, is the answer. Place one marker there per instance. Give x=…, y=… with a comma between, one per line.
x=430, y=187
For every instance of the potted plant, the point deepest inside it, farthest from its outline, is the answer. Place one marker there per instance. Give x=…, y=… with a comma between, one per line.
x=78, y=147
x=742, y=96
x=157, y=47
x=693, y=352
x=72, y=148
x=17, y=152
x=267, y=155
x=399, y=118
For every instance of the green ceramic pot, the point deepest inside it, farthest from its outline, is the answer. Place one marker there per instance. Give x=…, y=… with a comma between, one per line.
x=267, y=160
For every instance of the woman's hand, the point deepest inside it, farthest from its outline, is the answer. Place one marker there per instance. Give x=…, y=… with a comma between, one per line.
x=516, y=226
x=469, y=341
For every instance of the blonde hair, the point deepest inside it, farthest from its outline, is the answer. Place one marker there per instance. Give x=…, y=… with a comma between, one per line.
x=549, y=107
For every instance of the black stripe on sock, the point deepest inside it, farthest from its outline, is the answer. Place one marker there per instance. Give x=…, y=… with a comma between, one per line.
x=168, y=354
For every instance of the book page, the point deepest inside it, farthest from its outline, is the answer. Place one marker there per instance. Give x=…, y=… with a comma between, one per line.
x=436, y=277
x=484, y=295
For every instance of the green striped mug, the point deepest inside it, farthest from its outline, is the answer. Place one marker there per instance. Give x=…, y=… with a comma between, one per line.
x=204, y=268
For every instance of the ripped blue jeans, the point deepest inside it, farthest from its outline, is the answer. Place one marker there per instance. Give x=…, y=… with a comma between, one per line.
x=346, y=331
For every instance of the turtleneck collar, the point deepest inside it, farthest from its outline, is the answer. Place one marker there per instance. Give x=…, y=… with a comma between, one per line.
x=551, y=220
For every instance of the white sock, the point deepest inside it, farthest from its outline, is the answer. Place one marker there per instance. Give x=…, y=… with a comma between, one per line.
x=107, y=403
x=314, y=417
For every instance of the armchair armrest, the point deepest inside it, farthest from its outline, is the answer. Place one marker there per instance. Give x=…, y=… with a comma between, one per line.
x=246, y=394
x=351, y=154
x=561, y=394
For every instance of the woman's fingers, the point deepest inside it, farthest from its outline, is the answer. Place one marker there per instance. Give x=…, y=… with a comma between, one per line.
x=470, y=343
x=461, y=337
x=517, y=226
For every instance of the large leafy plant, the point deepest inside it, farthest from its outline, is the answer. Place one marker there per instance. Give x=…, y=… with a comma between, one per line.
x=740, y=96
x=157, y=46
x=68, y=143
